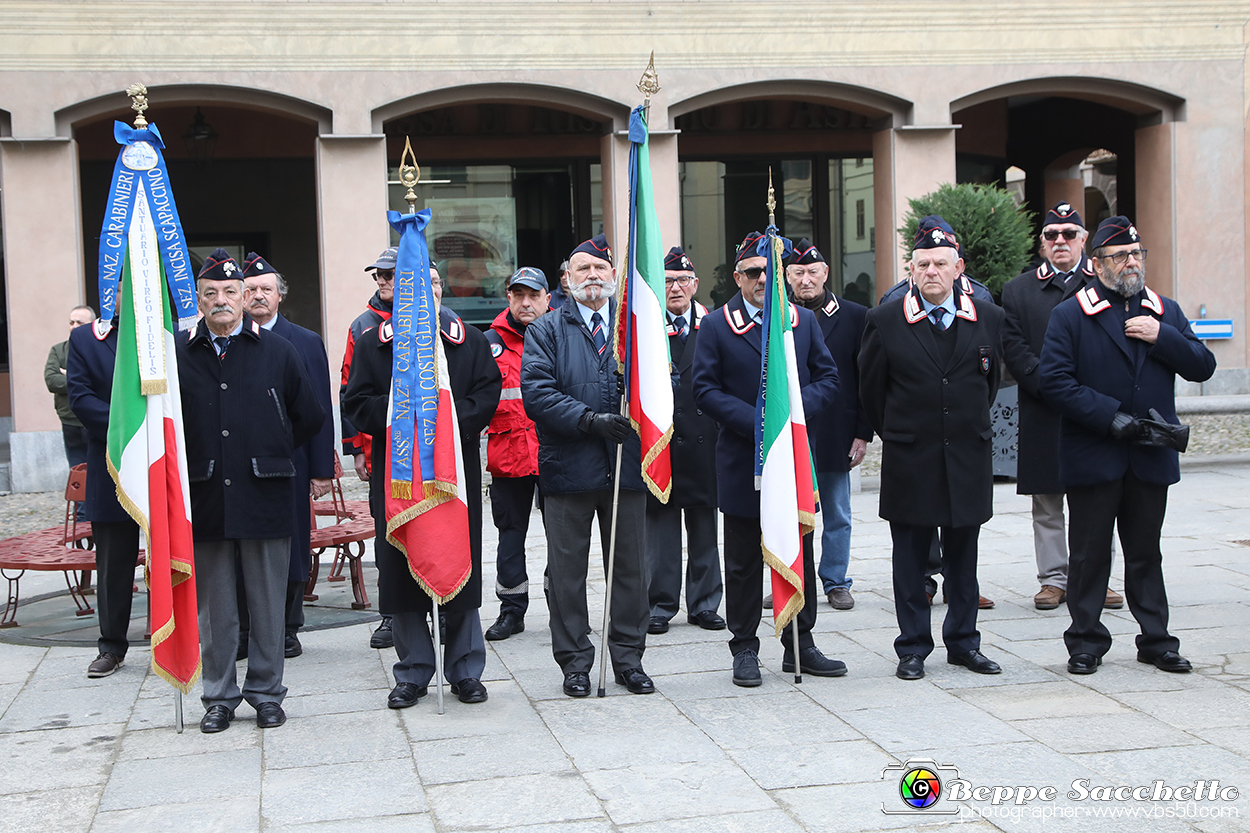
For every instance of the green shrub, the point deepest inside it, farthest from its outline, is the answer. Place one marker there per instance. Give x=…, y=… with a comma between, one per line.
x=997, y=235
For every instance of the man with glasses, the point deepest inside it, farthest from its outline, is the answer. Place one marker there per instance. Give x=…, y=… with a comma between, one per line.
x=726, y=386
x=1028, y=301
x=694, y=475
x=1109, y=365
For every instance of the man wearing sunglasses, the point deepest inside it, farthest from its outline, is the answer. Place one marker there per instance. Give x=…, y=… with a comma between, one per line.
x=1028, y=301
x=1109, y=362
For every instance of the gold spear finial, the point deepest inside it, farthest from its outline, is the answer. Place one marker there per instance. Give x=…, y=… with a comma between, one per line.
x=649, y=84
x=772, y=199
x=409, y=174
x=139, y=102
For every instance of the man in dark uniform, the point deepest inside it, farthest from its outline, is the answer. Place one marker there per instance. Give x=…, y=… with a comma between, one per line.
x=571, y=390
x=512, y=451
x=247, y=405
x=89, y=382
x=1028, y=301
x=929, y=371
x=726, y=386
x=475, y=386
x=693, y=456
x=839, y=434
x=314, y=460
x=1110, y=359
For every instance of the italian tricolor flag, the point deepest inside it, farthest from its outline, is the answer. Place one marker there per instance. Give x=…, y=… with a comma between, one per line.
x=641, y=345
x=787, y=479
x=146, y=450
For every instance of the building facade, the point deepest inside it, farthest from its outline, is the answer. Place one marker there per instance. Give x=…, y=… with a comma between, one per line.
x=284, y=123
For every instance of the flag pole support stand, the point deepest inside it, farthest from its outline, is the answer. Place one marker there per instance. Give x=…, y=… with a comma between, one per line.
x=794, y=631
x=438, y=653
x=178, y=712
x=611, y=568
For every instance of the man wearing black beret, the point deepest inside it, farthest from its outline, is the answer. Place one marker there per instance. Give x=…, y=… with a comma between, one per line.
x=1109, y=366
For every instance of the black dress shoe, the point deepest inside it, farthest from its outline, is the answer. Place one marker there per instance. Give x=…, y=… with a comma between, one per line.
x=747, y=669
x=292, y=648
x=404, y=695
x=270, y=715
x=469, y=690
x=636, y=680
x=1083, y=663
x=216, y=719
x=707, y=619
x=1167, y=661
x=382, y=637
x=657, y=624
x=813, y=662
x=505, y=626
x=910, y=667
x=974, y=661
x=577, y=684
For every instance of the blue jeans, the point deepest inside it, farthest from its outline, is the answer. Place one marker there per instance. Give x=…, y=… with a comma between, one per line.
x=835, y=540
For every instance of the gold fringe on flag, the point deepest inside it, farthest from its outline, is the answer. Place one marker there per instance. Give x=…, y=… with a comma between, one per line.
x=153, y=387
x=401, y=490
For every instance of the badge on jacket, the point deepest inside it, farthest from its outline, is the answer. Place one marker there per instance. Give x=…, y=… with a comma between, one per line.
x=985, y=360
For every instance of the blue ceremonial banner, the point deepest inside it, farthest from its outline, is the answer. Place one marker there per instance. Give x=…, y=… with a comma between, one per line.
x=414, y=371
x=140, y=160
x=776, y=249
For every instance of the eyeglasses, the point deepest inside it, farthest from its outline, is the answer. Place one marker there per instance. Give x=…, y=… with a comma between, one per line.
x=682, y=280
x=1068, y=234
x=753, y=272
x=1121, y=258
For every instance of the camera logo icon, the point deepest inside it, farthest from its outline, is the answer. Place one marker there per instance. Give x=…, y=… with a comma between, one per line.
x=921, y=785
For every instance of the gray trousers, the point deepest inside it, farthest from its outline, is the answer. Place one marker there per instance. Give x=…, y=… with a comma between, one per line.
x=1050, y=541
x=568, y=519
x=464, y=649
x=264, y=562
x=704, y=587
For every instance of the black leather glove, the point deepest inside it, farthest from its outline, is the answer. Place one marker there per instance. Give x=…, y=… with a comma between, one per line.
x=1124, y=427
x=1157, y=431
x=612, y=427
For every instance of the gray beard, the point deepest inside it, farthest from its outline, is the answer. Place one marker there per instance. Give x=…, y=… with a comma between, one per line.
x=1129, y=282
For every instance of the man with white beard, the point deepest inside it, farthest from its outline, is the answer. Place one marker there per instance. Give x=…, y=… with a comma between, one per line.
x=1109, y=365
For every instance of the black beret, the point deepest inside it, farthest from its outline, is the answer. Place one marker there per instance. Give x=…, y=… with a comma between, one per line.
x=934, y=233
x=254, y=265
x=805, y=252
x=596, y=246
x=220, y=266
x=1115, y=231
x=1063, y=212
x=677, y=261
x=748, y=246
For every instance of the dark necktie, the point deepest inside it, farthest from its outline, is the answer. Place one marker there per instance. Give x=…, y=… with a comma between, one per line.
x=938, y=315
x=223, y=343
x=596, y=333
x=680, y=324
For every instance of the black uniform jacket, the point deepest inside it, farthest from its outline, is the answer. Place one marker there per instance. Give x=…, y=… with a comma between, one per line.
x=89, y=377
x=833, y=429
x=933, y=414
x=563, y=378
x=693, y=447
x=1028, y=301
x=727, y=384
x=475, y=387
x=1090, y=370
x=244, y=415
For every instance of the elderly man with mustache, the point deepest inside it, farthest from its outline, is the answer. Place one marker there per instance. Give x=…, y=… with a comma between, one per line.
x=1110, y=360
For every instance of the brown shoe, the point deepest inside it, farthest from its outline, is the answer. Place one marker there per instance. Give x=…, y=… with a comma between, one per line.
x=1049, y=597
x=1114, y=600
x=984, y=603
x=104, y=665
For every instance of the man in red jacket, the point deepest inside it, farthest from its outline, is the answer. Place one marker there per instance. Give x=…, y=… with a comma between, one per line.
x=512, y=450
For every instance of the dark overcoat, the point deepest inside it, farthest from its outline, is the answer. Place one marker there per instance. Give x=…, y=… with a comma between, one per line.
x=475, y=386
x=933, y=414
x=1028, y=301
x=834, y=429
x=693, y=447
x=727, y=384
x=563, y=378
x=244, y=416
x=1090, y=370
x=89, y=377
x=314, y=458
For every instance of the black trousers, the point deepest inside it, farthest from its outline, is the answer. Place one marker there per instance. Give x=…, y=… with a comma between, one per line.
x=912, y=546
x=744, y=594
x=1137, y=509
x=116, y=555
x=511, y=500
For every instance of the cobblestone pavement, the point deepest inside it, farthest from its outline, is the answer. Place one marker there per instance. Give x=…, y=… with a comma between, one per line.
x=1065, y=753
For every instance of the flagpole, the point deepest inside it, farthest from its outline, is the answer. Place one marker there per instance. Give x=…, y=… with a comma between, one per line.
x=775, y=290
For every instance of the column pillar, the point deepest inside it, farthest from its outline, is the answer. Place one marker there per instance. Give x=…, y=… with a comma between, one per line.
x=908, y=162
